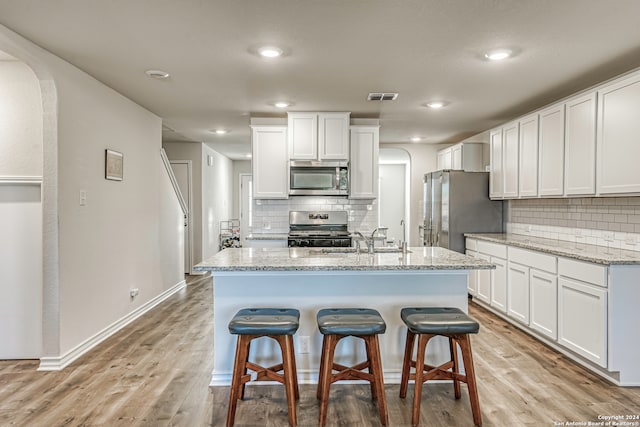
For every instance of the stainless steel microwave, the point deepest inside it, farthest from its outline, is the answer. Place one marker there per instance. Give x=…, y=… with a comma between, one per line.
x=318, y=178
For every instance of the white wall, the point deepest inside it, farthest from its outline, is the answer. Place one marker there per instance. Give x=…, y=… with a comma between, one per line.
x=217, y=198
x=191, y=151
x=95, y=254
x=212, y=193
x=20, y=121
x=239, y=166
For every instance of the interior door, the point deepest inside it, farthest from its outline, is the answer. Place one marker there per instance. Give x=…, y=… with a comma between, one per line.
x=392, y=200
x=182, y=171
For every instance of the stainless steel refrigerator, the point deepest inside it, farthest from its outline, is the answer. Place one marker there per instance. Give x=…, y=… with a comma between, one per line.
x=457, y=202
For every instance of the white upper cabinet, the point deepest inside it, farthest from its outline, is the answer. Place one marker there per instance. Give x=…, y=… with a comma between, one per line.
x=618, y=137
x=496, y=191
x=302, y=136
x=363, y=166
x=510, y=160
x=333, y=136
x=318, y=136
x=270, y=163
x=551, y=157
x=444, y=159
x=580, y=146
x=528, y=172
x=456, y=157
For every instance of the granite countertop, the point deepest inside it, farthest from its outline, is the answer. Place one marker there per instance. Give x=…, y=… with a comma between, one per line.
x=579, y=251
x=305, y=259
x=267, y=236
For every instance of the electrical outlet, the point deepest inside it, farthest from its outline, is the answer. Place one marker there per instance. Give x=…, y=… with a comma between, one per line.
x=83, y=197
x=304, y=345
x=630, y=239
x=608, y=235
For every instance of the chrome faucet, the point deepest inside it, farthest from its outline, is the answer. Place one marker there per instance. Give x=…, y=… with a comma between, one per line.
x=404, y=244
x=368, y=241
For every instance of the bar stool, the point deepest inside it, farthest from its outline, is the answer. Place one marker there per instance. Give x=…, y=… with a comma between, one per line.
x=279, y=324
x=338, y=323
x=427, y=322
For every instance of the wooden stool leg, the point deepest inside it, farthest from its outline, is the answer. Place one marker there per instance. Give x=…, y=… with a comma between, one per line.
x=423, y=339
x=376, y=367
x=368, y=343
x=406, y=364
x=295, y=369
x=327, y=368
x=467, y=357
x=286, y=345
x=456, y=367
x=245, y=371
x=239, y=364
x=323, y=356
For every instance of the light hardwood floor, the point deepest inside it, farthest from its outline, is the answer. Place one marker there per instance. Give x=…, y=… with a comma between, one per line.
x=156, y=372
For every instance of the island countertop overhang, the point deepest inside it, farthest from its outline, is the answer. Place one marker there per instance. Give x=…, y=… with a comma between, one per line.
x=304, y=259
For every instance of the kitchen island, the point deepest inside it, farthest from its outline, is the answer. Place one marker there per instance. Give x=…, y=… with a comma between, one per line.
x=311, y=279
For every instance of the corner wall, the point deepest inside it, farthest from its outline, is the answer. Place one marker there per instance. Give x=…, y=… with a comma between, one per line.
x=95, y=254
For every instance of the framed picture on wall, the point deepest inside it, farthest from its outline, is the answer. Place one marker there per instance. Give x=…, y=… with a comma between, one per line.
x=114, y=165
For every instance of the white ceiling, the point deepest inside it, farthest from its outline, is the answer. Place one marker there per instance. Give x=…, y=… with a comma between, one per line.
x=338, y=51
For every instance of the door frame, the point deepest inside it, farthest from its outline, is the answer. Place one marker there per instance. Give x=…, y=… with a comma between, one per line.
x=407, y=194
x=243, y=231
x=188, y=204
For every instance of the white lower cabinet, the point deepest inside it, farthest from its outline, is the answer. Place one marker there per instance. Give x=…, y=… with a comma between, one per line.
x=499, y=284
x=582, y=319
x=518, y=292
x=543, y=300
x=483, y=284
x=472, y=282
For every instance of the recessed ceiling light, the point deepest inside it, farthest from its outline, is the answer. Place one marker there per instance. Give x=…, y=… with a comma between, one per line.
x=219, y=131
x=157, y=74
x=436, y=104
x=270, y=51
x=498, y=54
x=416, y=139
x=281, y=104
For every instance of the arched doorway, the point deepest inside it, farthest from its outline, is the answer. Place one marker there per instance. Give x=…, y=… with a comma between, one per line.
x=27, y=182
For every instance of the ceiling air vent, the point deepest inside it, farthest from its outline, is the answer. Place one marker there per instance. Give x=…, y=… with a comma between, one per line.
x=382, y=96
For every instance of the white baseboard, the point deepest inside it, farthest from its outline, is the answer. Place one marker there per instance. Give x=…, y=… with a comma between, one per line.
x=60, y=362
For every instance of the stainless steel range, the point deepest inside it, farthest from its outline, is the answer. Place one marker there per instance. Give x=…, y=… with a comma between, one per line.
x=318, y=229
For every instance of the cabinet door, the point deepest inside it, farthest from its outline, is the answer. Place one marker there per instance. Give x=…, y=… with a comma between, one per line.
x=472, y=283
x=444, y=159
x=580, y=146
x=510, y=160
x=551, y=157
x=544, y=303
x=582, y=319
x=483, y=285
x=456, y=157
x=528, y=172
x=499, y=284
x=270, y=165
x=518, y=292
x=333, y=136
x=495, y=176
x=302, y=136
x=618, y=130
x=363, y=166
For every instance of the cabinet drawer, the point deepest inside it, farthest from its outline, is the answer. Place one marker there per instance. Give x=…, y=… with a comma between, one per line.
x=472, y=244
x=584, y=271
x=492, y=249
x=532, y=259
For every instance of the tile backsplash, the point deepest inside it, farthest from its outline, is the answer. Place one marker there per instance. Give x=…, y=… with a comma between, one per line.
x=272, y=216
x=605, y=221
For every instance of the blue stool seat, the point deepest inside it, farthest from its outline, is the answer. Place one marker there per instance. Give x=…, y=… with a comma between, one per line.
x=265, y=321
x=438, y=321
x=350, y=321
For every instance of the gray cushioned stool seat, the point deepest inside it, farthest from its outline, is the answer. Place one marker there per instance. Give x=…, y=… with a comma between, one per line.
x=350, y=321
x=438, y=321
x=265, y=321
